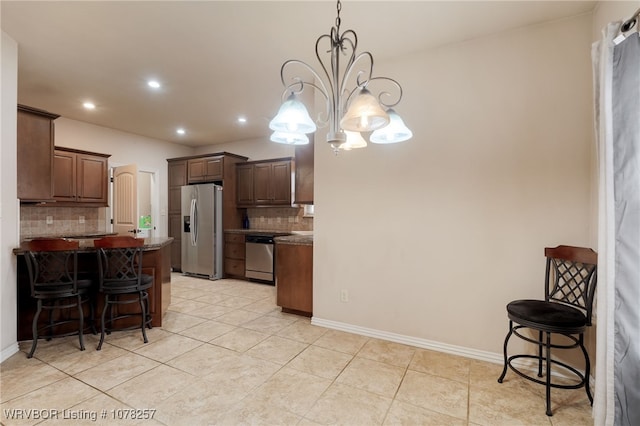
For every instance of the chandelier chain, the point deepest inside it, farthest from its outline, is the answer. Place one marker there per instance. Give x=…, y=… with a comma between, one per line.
x=338, y=20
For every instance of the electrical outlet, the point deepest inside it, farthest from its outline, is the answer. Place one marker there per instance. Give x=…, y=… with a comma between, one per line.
x=49, y=220
x=344, y=295
x=80, y=219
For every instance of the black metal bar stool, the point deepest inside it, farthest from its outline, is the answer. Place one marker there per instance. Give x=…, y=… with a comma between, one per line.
x=52, y=264
x=121, y=277
x=570, y=283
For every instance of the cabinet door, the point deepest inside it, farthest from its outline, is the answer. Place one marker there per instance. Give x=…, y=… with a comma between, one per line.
x=34, y=155
x=92, y=179
x=294, y=278
x=196, y=170
x=178, y=173
x=262, y=193
x=64, y=176
x=177, y=178
x=175, y=231
x=244, y=182
x=213, y=168
x=281, y=183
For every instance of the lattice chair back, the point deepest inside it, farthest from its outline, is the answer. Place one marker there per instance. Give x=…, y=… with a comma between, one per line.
x=119, y=262
x=571, y=277
x=52, y=267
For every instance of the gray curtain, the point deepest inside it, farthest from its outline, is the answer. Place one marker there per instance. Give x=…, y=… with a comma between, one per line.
x=626, y=181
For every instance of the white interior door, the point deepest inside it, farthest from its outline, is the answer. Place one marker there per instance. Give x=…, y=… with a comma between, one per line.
x=125, y=199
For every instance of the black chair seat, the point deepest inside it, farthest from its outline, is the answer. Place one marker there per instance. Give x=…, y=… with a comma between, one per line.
x=128, y=286
x=545, y=314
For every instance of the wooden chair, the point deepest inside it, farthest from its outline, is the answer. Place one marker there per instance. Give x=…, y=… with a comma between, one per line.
x=570, y=283
x=52, y=265
x=120, y=269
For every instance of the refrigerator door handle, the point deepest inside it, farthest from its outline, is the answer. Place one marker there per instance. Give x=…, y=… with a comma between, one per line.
x=194, y=222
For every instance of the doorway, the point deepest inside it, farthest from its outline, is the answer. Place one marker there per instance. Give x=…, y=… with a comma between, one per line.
x=145, y=210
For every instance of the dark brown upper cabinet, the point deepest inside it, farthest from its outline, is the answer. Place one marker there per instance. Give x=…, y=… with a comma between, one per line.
x=264, y=183
x=80, y=177
x=35, y=139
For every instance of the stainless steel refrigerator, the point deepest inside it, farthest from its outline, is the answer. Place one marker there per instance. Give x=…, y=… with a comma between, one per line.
x=202, y=230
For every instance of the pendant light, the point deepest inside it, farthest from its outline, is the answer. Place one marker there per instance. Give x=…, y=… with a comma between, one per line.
x=365, y=111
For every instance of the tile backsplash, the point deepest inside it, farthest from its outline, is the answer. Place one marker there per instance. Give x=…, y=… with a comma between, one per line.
x=279, y=219
x=62, y=221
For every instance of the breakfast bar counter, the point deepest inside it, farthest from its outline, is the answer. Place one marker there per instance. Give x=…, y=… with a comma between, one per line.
x=156, y=261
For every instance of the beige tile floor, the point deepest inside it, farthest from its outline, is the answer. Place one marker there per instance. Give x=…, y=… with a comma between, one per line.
x=227, y=355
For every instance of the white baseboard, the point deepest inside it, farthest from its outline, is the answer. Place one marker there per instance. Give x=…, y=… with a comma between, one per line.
x=493, y=357
x=496, y=358
x=8, y=352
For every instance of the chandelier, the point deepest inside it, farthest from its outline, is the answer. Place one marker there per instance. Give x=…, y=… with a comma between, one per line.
x=352, y=109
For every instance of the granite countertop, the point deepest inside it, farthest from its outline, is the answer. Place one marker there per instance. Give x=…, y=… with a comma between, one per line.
x=295, y=239
x=71, y=236
x=258, y=232
x=86, y=244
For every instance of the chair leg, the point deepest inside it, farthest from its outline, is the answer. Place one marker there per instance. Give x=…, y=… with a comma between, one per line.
x=141, y=298
x=540, y=344
x=548, y=381
x=102, y=328
x=148, y=319
x=587, y=368
x=504, y=349
x=81, y=325
x=34, y=330
x=92, y=313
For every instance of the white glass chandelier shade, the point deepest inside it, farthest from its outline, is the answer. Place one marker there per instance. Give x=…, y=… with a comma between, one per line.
x=293, y=117
x=364, y=114
x=289, y=138
x=395, y=131
x=354, y=141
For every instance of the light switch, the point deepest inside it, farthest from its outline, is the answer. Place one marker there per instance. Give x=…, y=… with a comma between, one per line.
x=49, y=220
x=80, y=219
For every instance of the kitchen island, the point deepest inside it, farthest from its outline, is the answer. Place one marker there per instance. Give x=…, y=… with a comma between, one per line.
x=156, y=261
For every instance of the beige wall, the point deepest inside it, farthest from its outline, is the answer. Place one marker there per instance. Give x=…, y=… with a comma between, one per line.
x=9, y=207
x=433, y=237
x=125, y=148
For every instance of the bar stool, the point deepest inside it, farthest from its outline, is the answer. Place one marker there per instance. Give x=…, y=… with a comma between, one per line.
x=121, y=277
x=52, y=264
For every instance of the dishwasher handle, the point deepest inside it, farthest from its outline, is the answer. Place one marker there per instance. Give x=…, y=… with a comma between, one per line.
x=259, y=239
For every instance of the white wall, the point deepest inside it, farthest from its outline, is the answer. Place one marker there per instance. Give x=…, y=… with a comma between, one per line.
x=125, y=148
x=9, y=206
x=433, y=237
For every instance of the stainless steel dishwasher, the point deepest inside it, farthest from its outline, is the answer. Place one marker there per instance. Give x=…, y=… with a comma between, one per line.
x=259, y=263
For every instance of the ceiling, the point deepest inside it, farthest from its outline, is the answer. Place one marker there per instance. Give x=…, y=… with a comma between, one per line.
x=218, y=60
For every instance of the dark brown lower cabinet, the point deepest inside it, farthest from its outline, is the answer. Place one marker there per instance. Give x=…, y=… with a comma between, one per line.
x=294, y=278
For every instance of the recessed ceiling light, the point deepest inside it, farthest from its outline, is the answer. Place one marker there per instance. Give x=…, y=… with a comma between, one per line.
x=180, y=131
x=89, y=105
x=242, y=119
x=153, y=83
